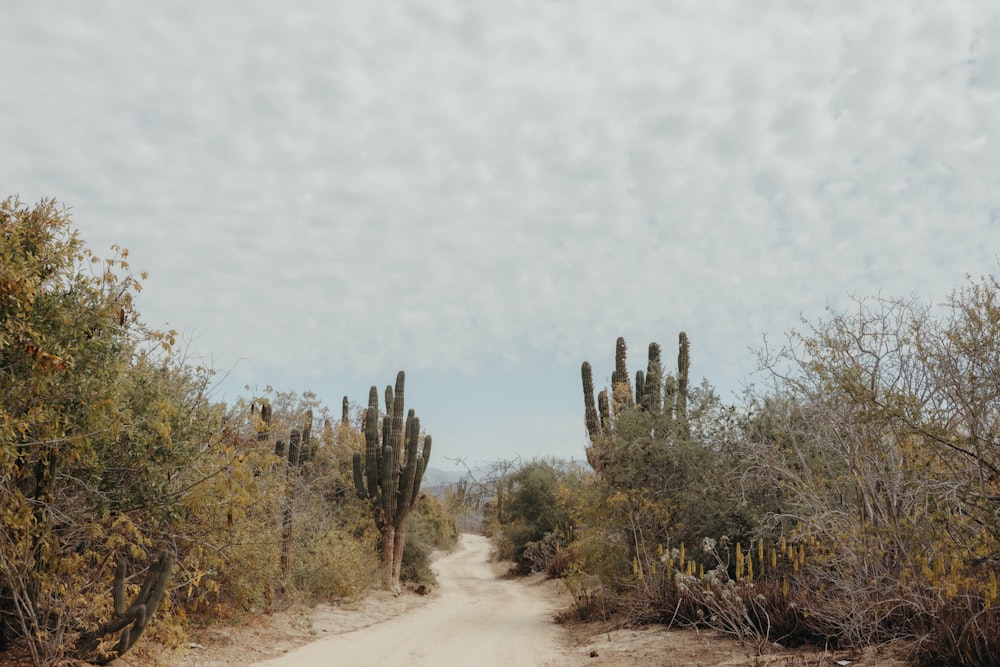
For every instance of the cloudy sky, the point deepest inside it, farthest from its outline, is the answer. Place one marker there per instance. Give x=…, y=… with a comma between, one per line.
x=486, y=194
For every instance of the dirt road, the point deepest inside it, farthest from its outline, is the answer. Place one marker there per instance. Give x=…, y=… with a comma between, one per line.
x=474, y=619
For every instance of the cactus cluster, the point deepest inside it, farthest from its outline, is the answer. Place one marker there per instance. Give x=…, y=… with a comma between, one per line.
x=130, y=620
x=389, y=473
x=665, y=397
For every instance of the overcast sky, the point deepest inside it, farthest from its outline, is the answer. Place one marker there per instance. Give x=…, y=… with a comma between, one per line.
x=485, y=194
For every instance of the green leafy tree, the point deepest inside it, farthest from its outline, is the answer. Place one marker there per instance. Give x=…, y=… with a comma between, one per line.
x=99, y=427
x=66, y=331
x=535, y=508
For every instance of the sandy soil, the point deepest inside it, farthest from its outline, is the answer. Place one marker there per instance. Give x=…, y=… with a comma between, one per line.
x=475, y=617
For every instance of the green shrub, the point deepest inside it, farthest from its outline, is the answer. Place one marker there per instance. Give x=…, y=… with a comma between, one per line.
x=430, y=523
x=336, y=566
x=534, y=511
x=416, y=567
x=429, y=528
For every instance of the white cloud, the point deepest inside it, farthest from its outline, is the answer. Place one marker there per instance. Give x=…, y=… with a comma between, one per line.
x=330, y=190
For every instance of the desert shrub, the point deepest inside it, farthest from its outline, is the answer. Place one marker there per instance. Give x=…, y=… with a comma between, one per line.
x=102, y=429
x=591, y=600
x=431, y=523
x=878, y=435
x=264, y=532
x=961, y=630
x=430, y=528
x=545, y=555
x=112, y=452
x=417, y=561
x=535, y=509
x=336, y=566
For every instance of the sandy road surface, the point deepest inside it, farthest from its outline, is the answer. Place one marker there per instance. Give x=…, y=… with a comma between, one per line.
x=474, y=619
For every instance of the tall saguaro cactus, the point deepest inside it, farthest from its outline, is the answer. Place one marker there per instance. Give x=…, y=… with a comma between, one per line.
x=389, y=473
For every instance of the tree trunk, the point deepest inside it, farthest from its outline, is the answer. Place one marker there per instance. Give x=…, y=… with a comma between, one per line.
x=397, y=557
x=388, y=554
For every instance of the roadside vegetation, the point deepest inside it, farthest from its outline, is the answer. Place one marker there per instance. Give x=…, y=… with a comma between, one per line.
x=134, y=504
x=850, y=500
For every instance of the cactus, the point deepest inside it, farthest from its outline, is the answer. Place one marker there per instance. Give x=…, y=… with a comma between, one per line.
x=662, y=397
x=264, y=426
x=640, y=387
x=390, y=472
x=131, y=620
x=590, y=412
x=604, y=408
x=683, y=365
x=621, y=387
x=294, y=442
x=654, y=380
x=305, y=449
x=343, y=413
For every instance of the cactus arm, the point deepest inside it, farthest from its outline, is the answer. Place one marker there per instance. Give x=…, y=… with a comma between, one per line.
x=264, y=425
x=118, y=588
x=372, y=450
x=670, y=397
x=138, y=614
x=590, y=412
x=683, y=366
x=398, y=435
x=409, y=468
x=421, y=468
x=654, y=379
x=359, y=477
x=415, y=491
x=306, y=451
x=294, y=442
x=621, y=385
x=640, y=390
x=388, y=491
x=603, y=405
x=426, y=454
x=145, y=606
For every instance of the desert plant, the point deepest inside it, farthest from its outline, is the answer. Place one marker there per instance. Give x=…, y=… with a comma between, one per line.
x=131, y=620
x=662, y=402
x=875, y=433
x=390, y=472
